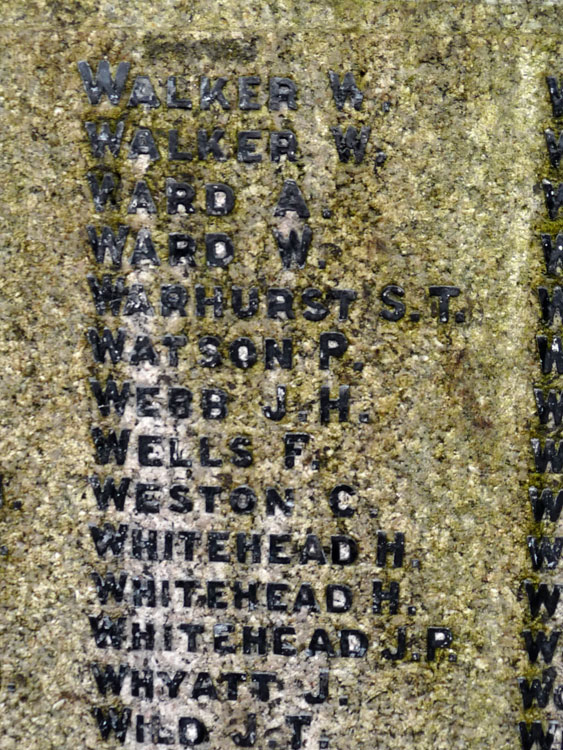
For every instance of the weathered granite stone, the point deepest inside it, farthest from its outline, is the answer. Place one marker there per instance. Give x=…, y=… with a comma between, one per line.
x=437, y=441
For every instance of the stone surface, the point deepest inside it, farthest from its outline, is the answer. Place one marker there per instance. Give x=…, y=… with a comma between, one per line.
x=456, y=99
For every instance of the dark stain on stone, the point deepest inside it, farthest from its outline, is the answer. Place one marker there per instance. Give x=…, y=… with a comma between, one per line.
x=159, y=46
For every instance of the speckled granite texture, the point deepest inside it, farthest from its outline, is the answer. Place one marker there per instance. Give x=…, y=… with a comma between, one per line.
x=455, y=96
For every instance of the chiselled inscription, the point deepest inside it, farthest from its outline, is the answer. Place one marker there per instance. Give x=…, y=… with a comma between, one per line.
x=541, y=688
x=233, y=578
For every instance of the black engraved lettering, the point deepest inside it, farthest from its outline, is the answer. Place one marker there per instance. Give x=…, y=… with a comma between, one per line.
x=283, y=143
x=237, y=304
x=379, y=595
x=214, y=403
x=553, y=198
x=548, y=456
x=106, y=294
x=173, y=298
x=437, y=638
x=112, y=444
x=246, y=149
x=174, y=343
x=104, y=190
x=397, y=307
x=219, y=199
x=291, y=199
x=553, y=253
x=550, y=355
x=144, y=251
x=241, y=456
x=294, y=442
x=341, y=92
x=142, y=640
x=209, y=347
x=353, y=644
x=102, y=137
x=315, y=310
x=297, y=724
x=246, y=95
x=556, y=96
x=109, y=586
x=172, y=683
x=551, y=307
x=111, y=395
x=108, y=242
x=192, y=631
x=279, y=412
x=282, y=91
x=143, y=351
x=331, y=344
x=444, y=293
x=174, y=154
x=109, y=492
x=401, y=649
x=172, y=100
x=210, y=145
x=252, y=545
x=179, y=195
x=143, y=144
x=239, y=594
x=113, y=720
x=546, y=504
x=141, y=199
x=143, y=93
x=543, y=551
x=541, y=644
x=147, y=498
x=108, y=538
x=137, y=302
x=350, y=143
x=550, y=406
x=103, y=83
x=142, y=681
x=312, y=550
x=541, y=595
x=322, y=695
x=339, y=498
x=192, y=731
x=219, y=250
x=533, y=734
x=248, y=739
x=202, y=301
x=344, y=550
x=395, y=548
x=273, y=353
x=554, y=147
x=108, y=679
x=243, y=500
x=339, y=598
x=345, y=298
x=221, y=633
x=181, y=249
x=274, y=501
x=254, y=642
x=340, y=404
x=107, y=632
x=208, y=94
x=536, y=690
x=106, y=344
x=294, y=248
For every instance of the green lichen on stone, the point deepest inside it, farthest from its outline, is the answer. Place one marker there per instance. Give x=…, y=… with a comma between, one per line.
x=445, y=457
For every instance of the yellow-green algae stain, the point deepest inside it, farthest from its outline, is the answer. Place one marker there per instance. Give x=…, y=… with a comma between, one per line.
x=446, y=457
